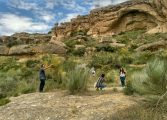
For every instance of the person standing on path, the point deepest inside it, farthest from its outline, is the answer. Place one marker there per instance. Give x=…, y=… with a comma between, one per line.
x=122, y=77
x=42, y=76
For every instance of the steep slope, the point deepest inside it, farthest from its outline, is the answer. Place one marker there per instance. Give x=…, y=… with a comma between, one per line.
x=131, y=15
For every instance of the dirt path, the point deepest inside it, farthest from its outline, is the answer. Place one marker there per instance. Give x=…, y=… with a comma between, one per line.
x=98, y=105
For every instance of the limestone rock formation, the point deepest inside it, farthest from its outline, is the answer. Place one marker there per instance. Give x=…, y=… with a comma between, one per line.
x=150, y=15
x=29, y=44
x=35, y=49
x=153, y=46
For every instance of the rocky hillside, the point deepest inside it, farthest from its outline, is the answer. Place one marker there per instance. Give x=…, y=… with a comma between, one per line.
x=149, y=15
x=29, y=44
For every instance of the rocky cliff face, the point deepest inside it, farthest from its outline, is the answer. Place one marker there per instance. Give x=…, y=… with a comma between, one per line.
x=131, y=15
x=29, y=44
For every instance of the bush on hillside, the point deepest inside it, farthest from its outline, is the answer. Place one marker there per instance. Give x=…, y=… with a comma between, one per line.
x=71, y=43
x=78, y=52
x=138, y=112
x=4, y=101
x=32, y=63
x=105, y=47
x=8, y=85
x=129, y=90
x=111, y=76
x=80, y=32
x=101, y=59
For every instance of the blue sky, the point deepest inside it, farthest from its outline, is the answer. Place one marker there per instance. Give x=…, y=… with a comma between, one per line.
x=41, y=15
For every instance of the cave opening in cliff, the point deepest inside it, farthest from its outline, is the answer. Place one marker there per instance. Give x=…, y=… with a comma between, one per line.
x=133, y=20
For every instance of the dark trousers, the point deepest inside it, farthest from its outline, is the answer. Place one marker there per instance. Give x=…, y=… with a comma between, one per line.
x=122, y=81
x=101, y=86
x=41, y=86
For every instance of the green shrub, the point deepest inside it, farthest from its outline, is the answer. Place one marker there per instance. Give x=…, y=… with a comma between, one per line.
x=8, y=85
x=133, y=46
x=100, y=59
x=91, y=42
x=4, y=101
x=143, y=57
x=111, y=76
x=77, y=80
x=68, y=65
x=71, y=43
x=127, y=59
x=8, y=63
x=26, y=86
x=29, y=89
x=58, y=80
x=32, y=63
x=2, y=95
x=26, y=72
x=105, y=47
x=128, y=88
x=12, y=43
x=78, y=52
x=80, y=32
x=137, y=112
x=126, y=37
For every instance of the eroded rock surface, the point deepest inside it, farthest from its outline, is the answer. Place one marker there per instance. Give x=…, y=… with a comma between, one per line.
x=29, y=44
x=148, y=15
x=58, y=106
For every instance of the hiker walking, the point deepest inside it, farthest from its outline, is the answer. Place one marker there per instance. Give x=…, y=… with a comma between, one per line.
x=42, y=76
x=100, y=82
x=122, y=77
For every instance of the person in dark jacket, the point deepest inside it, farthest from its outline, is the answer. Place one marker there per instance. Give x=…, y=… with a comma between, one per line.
x=100, y=82
x=42, y=77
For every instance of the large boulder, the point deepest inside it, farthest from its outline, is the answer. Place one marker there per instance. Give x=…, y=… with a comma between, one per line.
x=22, y=50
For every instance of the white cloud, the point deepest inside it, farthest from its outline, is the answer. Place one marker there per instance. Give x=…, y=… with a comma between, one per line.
x=50, y=4
x=11, y=23
x=66, y=4
x=102, y=3
x=47, y=18
x=21, y=4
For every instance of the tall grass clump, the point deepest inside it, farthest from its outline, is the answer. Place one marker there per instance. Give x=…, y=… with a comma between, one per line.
x=152, y=79
x=137, y=112
x=77, y=79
